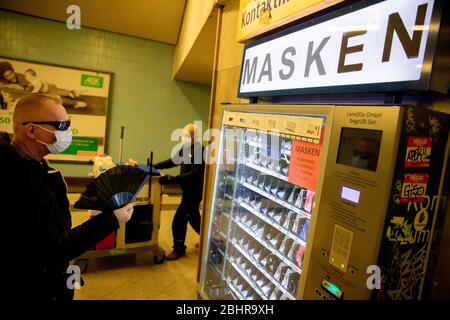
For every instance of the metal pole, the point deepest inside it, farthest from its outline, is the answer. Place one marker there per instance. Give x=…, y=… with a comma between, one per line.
x=150, y=180
x=122, y=129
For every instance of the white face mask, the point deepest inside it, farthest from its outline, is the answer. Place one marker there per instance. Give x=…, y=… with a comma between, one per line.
x=62, y=142
x=360, y=163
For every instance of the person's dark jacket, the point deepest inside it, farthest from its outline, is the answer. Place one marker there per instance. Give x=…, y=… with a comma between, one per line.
x=4, y=137
x=192, y=168
x=37, y=240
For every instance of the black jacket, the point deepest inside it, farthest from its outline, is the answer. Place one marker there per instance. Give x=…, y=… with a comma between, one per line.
x=192, y=168
x=38, y=242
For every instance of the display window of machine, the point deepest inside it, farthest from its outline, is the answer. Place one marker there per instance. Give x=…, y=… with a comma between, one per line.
x=262, y=205
x=360, y=148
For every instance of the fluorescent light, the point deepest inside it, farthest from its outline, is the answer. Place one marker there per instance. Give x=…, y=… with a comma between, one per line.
x=421, y=28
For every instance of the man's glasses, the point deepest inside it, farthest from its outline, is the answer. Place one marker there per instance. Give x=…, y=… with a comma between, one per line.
x=59, y=125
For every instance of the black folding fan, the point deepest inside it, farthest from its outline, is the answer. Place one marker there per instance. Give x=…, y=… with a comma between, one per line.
x=112, y=189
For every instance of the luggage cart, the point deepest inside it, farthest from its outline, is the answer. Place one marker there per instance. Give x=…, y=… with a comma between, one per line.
x=137, y=235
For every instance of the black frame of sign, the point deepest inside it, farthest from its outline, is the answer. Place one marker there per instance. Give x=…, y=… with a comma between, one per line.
x=423, y=84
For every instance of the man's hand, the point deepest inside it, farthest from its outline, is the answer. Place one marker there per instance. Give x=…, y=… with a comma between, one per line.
x=131, y=162
x=167, y=179
x=124, y=214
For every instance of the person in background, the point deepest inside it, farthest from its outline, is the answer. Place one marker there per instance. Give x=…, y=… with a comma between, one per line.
x=38, y=241
x=192, y=166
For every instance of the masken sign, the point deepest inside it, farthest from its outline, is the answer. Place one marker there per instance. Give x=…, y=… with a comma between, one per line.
x=380, y=47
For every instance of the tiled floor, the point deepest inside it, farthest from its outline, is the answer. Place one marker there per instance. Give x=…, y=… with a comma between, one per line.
x=138, y=278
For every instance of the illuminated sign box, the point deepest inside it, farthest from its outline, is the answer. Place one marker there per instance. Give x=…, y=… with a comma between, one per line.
x=369, y=47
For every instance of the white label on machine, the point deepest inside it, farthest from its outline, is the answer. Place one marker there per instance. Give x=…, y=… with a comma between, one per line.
x=288, y=124
x=350, y=194
x=340, y=247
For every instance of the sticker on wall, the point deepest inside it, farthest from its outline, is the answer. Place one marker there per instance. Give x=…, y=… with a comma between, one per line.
x=403, y=232
x=408, y=227
x=414, y=187
x=418, y=152
x=421, y=220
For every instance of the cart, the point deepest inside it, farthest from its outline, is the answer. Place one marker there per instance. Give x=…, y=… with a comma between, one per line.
x=137, y=235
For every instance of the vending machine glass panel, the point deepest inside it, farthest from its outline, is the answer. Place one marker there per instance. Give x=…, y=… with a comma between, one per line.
x=263, y=201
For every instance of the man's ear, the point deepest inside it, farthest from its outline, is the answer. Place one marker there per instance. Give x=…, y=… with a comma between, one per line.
x=30, y=130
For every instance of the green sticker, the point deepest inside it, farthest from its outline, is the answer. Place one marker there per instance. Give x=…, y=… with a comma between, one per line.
x=88, y=80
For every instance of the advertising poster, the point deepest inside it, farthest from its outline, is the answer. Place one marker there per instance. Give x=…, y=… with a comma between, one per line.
x=85, y=95
x=412, y=208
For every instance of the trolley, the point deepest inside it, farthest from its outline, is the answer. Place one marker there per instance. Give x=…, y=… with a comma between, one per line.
x=137, y=235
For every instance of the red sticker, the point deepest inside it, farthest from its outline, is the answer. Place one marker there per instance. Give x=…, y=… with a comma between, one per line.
x=304, y=165
x=414, y=187
x=418, y=152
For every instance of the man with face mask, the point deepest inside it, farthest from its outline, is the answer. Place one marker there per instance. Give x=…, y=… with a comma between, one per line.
x=192, y=166
x=38, y=241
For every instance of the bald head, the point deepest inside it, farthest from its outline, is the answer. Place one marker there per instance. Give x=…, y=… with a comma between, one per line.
x=31, y=137
x=191, y=130
x=37, y=107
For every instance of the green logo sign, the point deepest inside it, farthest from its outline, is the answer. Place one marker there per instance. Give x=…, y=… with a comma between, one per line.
x=88, y=80
x=83, y=146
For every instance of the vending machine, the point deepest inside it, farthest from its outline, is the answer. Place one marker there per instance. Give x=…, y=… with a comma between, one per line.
x=308, y=199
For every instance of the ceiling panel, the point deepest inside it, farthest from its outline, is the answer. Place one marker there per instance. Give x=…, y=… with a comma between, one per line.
x=158, y=20
x=198, y=65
